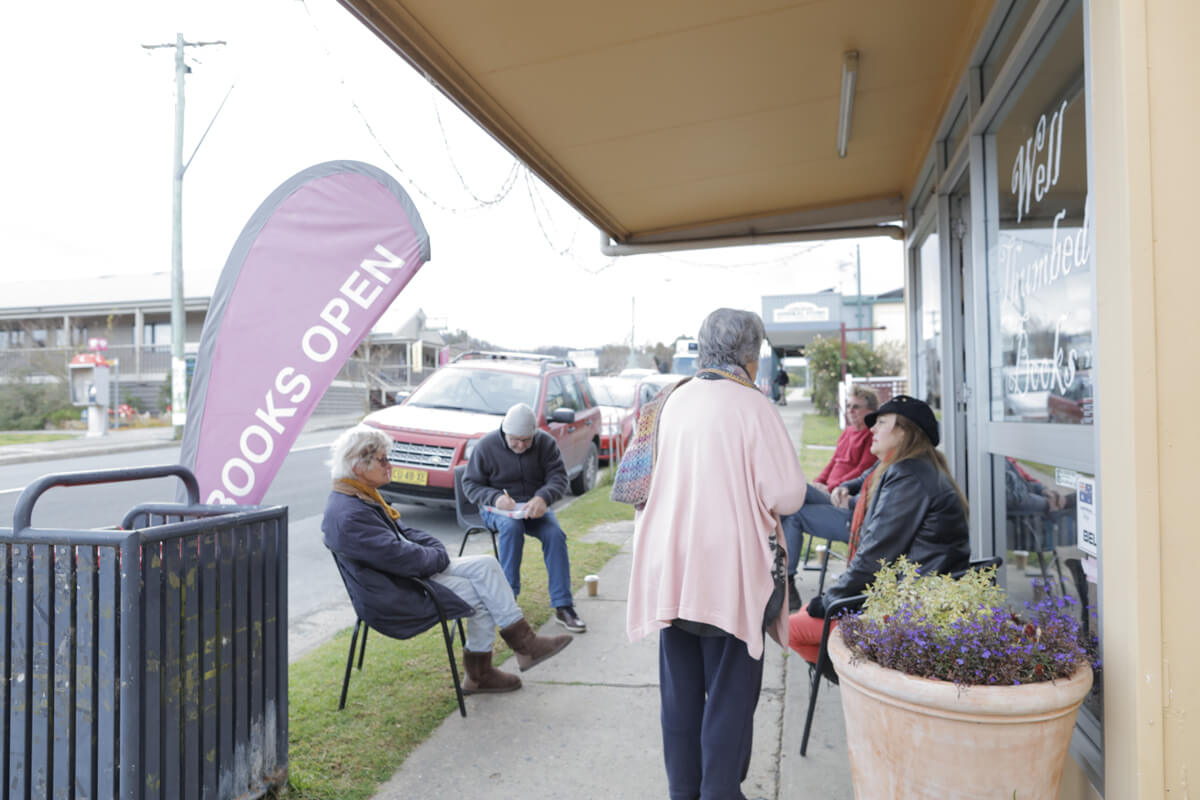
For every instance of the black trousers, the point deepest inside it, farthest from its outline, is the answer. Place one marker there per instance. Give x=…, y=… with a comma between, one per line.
x=709, y=687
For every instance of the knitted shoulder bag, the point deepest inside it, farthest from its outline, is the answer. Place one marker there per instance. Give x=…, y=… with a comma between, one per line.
x=631, y=484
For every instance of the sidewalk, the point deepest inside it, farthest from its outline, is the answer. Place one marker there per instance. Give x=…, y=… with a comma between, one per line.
x=585, y=723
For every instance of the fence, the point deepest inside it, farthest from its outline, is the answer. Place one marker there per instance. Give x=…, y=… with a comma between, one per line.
x=148, y=661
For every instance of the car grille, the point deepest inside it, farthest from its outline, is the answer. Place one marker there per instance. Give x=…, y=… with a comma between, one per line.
x=428, y=456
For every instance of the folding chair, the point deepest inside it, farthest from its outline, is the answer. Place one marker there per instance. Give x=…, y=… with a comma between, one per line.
x=446, y=635
x=824, y=667
x=469, y=518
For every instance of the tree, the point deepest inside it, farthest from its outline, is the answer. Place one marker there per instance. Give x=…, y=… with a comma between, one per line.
x=825, y=365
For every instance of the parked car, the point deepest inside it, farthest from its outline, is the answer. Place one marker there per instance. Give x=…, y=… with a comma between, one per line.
x=617, y=396
x=435, y=429
x=646, y=390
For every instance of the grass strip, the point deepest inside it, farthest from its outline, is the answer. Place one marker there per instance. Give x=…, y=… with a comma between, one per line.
x=32, y=438
x=404, y=691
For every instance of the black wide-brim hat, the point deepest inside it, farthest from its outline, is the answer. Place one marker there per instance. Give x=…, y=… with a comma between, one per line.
x=912, y=409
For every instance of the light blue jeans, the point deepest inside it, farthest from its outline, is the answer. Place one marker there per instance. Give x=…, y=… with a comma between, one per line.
x=818, y=517
x=480, y=582
x=511, y=534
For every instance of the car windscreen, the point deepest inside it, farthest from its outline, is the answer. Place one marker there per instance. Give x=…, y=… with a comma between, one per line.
x=613, y=392
x=476, y=390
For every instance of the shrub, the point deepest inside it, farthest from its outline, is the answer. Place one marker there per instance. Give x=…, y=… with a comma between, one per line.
x=825, y=365
x=962, y=630
x=25, y=405
x=59, y=417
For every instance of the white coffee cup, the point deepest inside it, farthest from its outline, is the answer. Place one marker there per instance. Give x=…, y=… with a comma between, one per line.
x=593, y=584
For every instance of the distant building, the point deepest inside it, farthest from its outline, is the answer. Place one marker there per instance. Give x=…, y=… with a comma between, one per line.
x=43, y=323
x=792, y=321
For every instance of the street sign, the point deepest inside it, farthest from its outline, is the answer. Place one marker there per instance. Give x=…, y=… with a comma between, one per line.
x=97, y=343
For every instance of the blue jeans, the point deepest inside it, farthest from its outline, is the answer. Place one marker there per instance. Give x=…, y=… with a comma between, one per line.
x=817, y=517
x=510, y=535
x=479, y=581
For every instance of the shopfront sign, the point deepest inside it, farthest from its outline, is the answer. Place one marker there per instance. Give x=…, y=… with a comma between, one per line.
x=1042, y=275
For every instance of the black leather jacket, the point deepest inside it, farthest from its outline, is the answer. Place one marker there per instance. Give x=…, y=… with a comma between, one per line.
x=915, y=512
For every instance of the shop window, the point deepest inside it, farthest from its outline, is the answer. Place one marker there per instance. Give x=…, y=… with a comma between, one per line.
x=1041, y=280
x=1014, y=22
x=929, y=325
x=1049, y=523
x=958, y=131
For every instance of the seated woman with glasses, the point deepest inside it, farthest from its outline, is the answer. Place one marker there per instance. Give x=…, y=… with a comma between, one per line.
x=375, y=549
x=908, y=504
x=819, y=517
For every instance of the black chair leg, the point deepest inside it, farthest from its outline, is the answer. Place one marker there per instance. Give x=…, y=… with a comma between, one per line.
x=813, y=688
x=462, y=635
x=363, y=652
x=495, y=549
x=449, y=639
x=350, y=662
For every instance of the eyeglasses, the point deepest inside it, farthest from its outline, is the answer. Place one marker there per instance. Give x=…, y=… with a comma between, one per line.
x=383, y=460
x=857, y=406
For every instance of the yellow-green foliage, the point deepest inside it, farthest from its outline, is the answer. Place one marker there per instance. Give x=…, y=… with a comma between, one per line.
x=941, y=599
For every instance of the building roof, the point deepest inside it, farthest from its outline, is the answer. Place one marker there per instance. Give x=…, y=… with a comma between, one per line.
x=97, y=295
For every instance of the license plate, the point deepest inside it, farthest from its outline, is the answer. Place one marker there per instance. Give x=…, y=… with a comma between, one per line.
x=403, y=475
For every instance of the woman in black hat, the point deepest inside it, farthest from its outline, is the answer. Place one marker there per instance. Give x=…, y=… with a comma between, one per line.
x=907, y=504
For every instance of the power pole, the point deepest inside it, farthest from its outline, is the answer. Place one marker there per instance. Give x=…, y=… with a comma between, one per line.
x=178, y=320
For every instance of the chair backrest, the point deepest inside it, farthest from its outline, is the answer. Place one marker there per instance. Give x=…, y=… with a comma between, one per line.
x=346, y=583
x=466, y=511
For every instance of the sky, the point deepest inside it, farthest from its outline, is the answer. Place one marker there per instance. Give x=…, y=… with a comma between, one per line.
x=88, y=139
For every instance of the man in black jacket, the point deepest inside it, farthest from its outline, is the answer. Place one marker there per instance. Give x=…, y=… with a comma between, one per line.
x=514, y=475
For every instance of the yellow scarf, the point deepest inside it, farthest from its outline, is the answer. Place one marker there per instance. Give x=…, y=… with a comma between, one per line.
x=367, y=494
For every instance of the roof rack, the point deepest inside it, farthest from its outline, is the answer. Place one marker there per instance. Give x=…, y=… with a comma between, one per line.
x=500, y=355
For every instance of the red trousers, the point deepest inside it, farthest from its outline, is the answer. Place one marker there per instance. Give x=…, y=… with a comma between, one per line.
x=804, y=634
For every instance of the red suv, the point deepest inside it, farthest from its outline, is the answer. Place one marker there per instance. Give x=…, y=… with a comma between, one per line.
x=438, y=425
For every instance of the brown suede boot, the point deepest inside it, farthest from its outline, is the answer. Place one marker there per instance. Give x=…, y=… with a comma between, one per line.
x=482, y=677
x=530, y=648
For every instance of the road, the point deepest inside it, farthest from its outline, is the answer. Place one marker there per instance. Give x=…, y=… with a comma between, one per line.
x=317, y=603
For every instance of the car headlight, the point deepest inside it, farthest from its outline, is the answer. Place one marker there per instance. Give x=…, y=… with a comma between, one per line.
x=470, y=448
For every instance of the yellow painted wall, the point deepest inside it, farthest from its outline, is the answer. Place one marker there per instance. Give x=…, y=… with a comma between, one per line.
x=1146, y=111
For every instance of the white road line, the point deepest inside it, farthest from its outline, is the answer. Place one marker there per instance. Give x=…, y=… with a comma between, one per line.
x=310, y=447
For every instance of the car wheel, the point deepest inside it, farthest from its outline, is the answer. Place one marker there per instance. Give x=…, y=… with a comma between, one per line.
x=585, y=480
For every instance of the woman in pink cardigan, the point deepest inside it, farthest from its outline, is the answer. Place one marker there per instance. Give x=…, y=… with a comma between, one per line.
x=708, y=556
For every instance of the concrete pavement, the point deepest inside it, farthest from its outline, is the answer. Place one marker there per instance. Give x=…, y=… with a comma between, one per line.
x=585, y=724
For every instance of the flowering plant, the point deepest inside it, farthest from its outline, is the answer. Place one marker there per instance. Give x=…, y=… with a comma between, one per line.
x=962, y=630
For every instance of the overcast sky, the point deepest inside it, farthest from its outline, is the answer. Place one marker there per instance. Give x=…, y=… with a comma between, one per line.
x=88, y=139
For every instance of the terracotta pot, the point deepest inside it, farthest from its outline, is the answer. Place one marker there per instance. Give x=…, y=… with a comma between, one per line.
x=914, y=738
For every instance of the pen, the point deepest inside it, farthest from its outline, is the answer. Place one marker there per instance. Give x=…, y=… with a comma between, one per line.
x=506, y=494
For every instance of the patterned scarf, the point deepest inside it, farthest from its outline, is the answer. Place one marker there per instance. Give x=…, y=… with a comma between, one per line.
x=734, y=373
x=368, y=494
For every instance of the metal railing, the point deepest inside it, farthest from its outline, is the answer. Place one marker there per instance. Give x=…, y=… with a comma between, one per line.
x=148, y=661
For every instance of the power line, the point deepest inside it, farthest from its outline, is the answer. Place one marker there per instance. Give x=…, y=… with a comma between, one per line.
x=413, y=184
